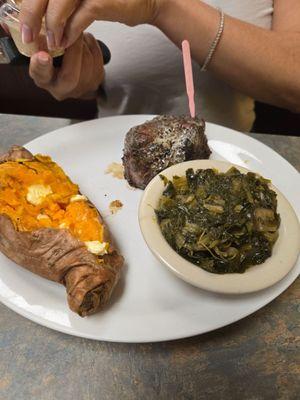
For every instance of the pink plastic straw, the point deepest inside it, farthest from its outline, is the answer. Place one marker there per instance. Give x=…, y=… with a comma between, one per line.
x=188, y=71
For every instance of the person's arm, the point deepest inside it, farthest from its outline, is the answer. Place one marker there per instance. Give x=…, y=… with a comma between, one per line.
x=260, y=63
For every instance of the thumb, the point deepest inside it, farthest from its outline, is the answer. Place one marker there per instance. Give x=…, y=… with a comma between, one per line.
x=41, y=69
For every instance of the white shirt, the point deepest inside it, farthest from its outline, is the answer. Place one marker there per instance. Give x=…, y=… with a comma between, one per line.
x=145, y=75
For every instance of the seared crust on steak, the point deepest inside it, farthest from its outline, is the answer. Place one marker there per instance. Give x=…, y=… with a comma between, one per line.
x=157, y=144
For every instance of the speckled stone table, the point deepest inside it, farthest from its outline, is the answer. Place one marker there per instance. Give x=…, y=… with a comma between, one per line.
x=257, y=358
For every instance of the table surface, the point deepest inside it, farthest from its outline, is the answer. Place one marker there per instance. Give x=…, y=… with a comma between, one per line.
x=257, y=358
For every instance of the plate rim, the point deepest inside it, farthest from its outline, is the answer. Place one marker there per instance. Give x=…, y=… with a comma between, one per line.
x=139, y=118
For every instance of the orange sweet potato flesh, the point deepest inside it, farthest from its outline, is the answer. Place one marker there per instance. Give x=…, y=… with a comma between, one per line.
x=48, y=238
x=56, y=209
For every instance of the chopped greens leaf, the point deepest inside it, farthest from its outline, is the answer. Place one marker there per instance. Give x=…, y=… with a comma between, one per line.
x=222, y=222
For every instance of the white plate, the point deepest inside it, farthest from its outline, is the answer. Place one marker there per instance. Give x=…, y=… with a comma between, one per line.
x=258, y=277
x=150, y=304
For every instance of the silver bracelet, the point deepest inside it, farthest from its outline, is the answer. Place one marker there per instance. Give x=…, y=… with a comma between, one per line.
x=216, y=41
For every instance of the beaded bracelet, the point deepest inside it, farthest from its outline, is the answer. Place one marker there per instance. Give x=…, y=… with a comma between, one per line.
x=216, y=41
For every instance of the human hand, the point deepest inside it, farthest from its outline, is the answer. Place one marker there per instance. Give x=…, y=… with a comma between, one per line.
x=80, y=74
x=67, y=19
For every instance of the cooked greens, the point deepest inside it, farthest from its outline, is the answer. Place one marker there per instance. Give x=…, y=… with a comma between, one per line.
x=222, y=222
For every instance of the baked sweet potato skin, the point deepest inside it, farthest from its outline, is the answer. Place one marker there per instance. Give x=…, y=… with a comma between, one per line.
x=57, y=255
x=16, y=153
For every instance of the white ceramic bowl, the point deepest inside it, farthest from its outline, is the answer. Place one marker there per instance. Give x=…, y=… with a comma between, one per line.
x=258, y=277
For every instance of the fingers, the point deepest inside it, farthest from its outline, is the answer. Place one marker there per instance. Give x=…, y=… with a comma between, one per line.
x=60, y=83
x=63, y=24
x=68, y=77
x=41, y=69
x=98, y=71
x=84, y=15
x=80, y=74
x=58, y=11
x=92, y=71
x=93, y=46
x=87, y=66
x=32, y=12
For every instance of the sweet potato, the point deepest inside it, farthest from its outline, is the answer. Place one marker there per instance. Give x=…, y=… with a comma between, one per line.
x=50, y=228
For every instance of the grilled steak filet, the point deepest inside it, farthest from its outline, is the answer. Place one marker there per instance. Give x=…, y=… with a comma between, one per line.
x=157, y=144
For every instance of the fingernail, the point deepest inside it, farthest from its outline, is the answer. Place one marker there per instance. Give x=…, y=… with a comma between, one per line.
x=43, y=59
x=27, y=35
x=50, y=40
